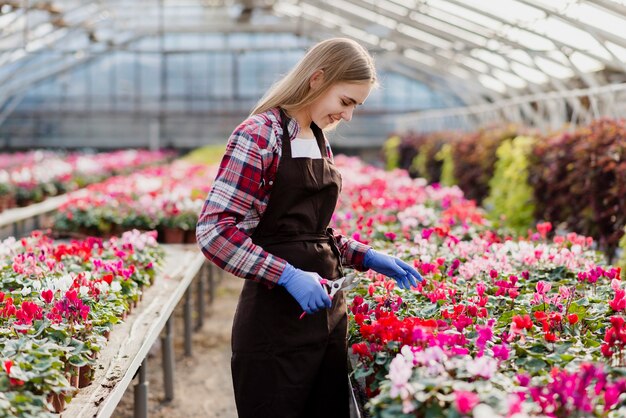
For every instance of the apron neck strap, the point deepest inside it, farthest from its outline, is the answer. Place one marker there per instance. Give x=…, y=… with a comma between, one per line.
x=286, y=140
x=319, y=136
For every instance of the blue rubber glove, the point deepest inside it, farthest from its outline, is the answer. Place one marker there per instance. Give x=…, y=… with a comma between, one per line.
x=306, y=289
x=404, y=274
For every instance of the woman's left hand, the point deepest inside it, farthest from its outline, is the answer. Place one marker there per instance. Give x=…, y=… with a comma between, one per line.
x=393, y=267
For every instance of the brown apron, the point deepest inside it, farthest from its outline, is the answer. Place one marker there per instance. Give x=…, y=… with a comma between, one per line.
x=283, y=366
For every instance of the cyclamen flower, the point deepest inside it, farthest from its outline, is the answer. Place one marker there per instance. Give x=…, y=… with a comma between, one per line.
x=465, y=401
x=543, y=287
x=8, y=365
x=501, y=352
x=28, y=312
x=484, y=367
x=400, y=371
x=47, y=295
x=70, y=307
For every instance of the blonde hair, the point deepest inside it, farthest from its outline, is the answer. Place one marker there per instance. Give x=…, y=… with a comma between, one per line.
x=341, y=59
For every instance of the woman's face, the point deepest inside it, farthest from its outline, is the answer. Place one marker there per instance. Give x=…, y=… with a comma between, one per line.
x=338, y=103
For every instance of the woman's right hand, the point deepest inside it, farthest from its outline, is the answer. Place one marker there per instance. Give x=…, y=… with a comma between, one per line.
x=306, y=289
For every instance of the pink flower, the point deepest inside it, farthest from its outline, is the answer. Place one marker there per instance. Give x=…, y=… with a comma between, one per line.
x=611, y=396
x=465, y=401
x=390, y=236
x=543, y=287
x=501, y=352
x=480, y=288
x=523, y=379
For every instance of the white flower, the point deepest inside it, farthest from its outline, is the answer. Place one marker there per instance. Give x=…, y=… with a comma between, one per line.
x=103, y=287
x=84, y=290
x=482, y=366
x=64, y=283
x=484, y=411
x=116, y=287
x=26, y=291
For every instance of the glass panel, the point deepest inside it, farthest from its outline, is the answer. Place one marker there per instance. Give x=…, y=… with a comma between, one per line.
x=570, y=35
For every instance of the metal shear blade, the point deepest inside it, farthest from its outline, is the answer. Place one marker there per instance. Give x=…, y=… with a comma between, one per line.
x=347, y=282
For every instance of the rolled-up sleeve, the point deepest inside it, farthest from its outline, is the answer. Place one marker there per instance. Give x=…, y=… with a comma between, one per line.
x=232, y=195
x=352, y=251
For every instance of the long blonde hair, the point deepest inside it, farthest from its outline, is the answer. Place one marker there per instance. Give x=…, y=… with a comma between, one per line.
x=341, y=59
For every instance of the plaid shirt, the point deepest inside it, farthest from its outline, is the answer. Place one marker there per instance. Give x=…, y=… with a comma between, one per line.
x=239, y=197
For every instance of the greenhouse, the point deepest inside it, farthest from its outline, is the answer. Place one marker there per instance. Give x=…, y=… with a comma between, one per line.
x=313, y=208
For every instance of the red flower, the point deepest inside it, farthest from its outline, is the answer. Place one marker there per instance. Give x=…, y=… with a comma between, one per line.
x=523, y=322
x=47, y=295
x=544, y=228
x=550, y=337
x=7, y=366
x=572, y=318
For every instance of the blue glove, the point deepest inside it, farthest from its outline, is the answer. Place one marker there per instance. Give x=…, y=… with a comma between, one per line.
x=306, y=289
x=404, y=274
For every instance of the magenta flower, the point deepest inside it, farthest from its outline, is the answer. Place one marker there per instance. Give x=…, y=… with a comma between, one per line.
x=501, y=352
x=465, y=401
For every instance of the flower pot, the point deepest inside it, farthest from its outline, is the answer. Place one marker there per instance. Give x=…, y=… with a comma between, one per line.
x=56, y=402
x=190, y=236
x=173, y=235
x=85, y=376
x=73, y=372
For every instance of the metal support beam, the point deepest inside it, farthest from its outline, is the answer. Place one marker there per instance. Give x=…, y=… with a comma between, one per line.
x=141, y=392
x=167, y=352
x=200, y=296
x=188, y=314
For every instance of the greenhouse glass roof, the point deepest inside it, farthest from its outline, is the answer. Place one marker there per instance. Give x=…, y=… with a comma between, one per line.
x=470, y=52
x=492, y=48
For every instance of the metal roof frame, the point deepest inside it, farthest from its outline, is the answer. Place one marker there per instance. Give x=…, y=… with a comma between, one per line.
x=460, y=54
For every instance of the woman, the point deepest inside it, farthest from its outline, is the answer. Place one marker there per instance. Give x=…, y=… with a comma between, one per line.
x=266, y=220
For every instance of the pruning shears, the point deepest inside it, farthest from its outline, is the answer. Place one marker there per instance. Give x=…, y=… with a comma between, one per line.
x=347, y=282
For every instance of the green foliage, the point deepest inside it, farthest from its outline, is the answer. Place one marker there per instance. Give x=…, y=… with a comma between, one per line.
x=447, y=168
x=209, y=155
x=475, y=157
x=392, y=154
x=510, y=199
x=578, y=179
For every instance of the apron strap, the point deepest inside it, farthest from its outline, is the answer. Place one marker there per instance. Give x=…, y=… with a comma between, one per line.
x=286, y=141
x=319, y=136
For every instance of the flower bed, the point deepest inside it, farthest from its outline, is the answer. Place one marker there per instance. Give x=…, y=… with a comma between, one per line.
x=166, y=198
x=27, y=178
x=500, y=327
x=573, y=177
x=58, y=302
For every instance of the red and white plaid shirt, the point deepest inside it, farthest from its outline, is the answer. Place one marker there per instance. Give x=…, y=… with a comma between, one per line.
x=239, y=197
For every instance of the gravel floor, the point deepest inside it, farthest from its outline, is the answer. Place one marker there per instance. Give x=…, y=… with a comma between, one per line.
x=203, y=386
